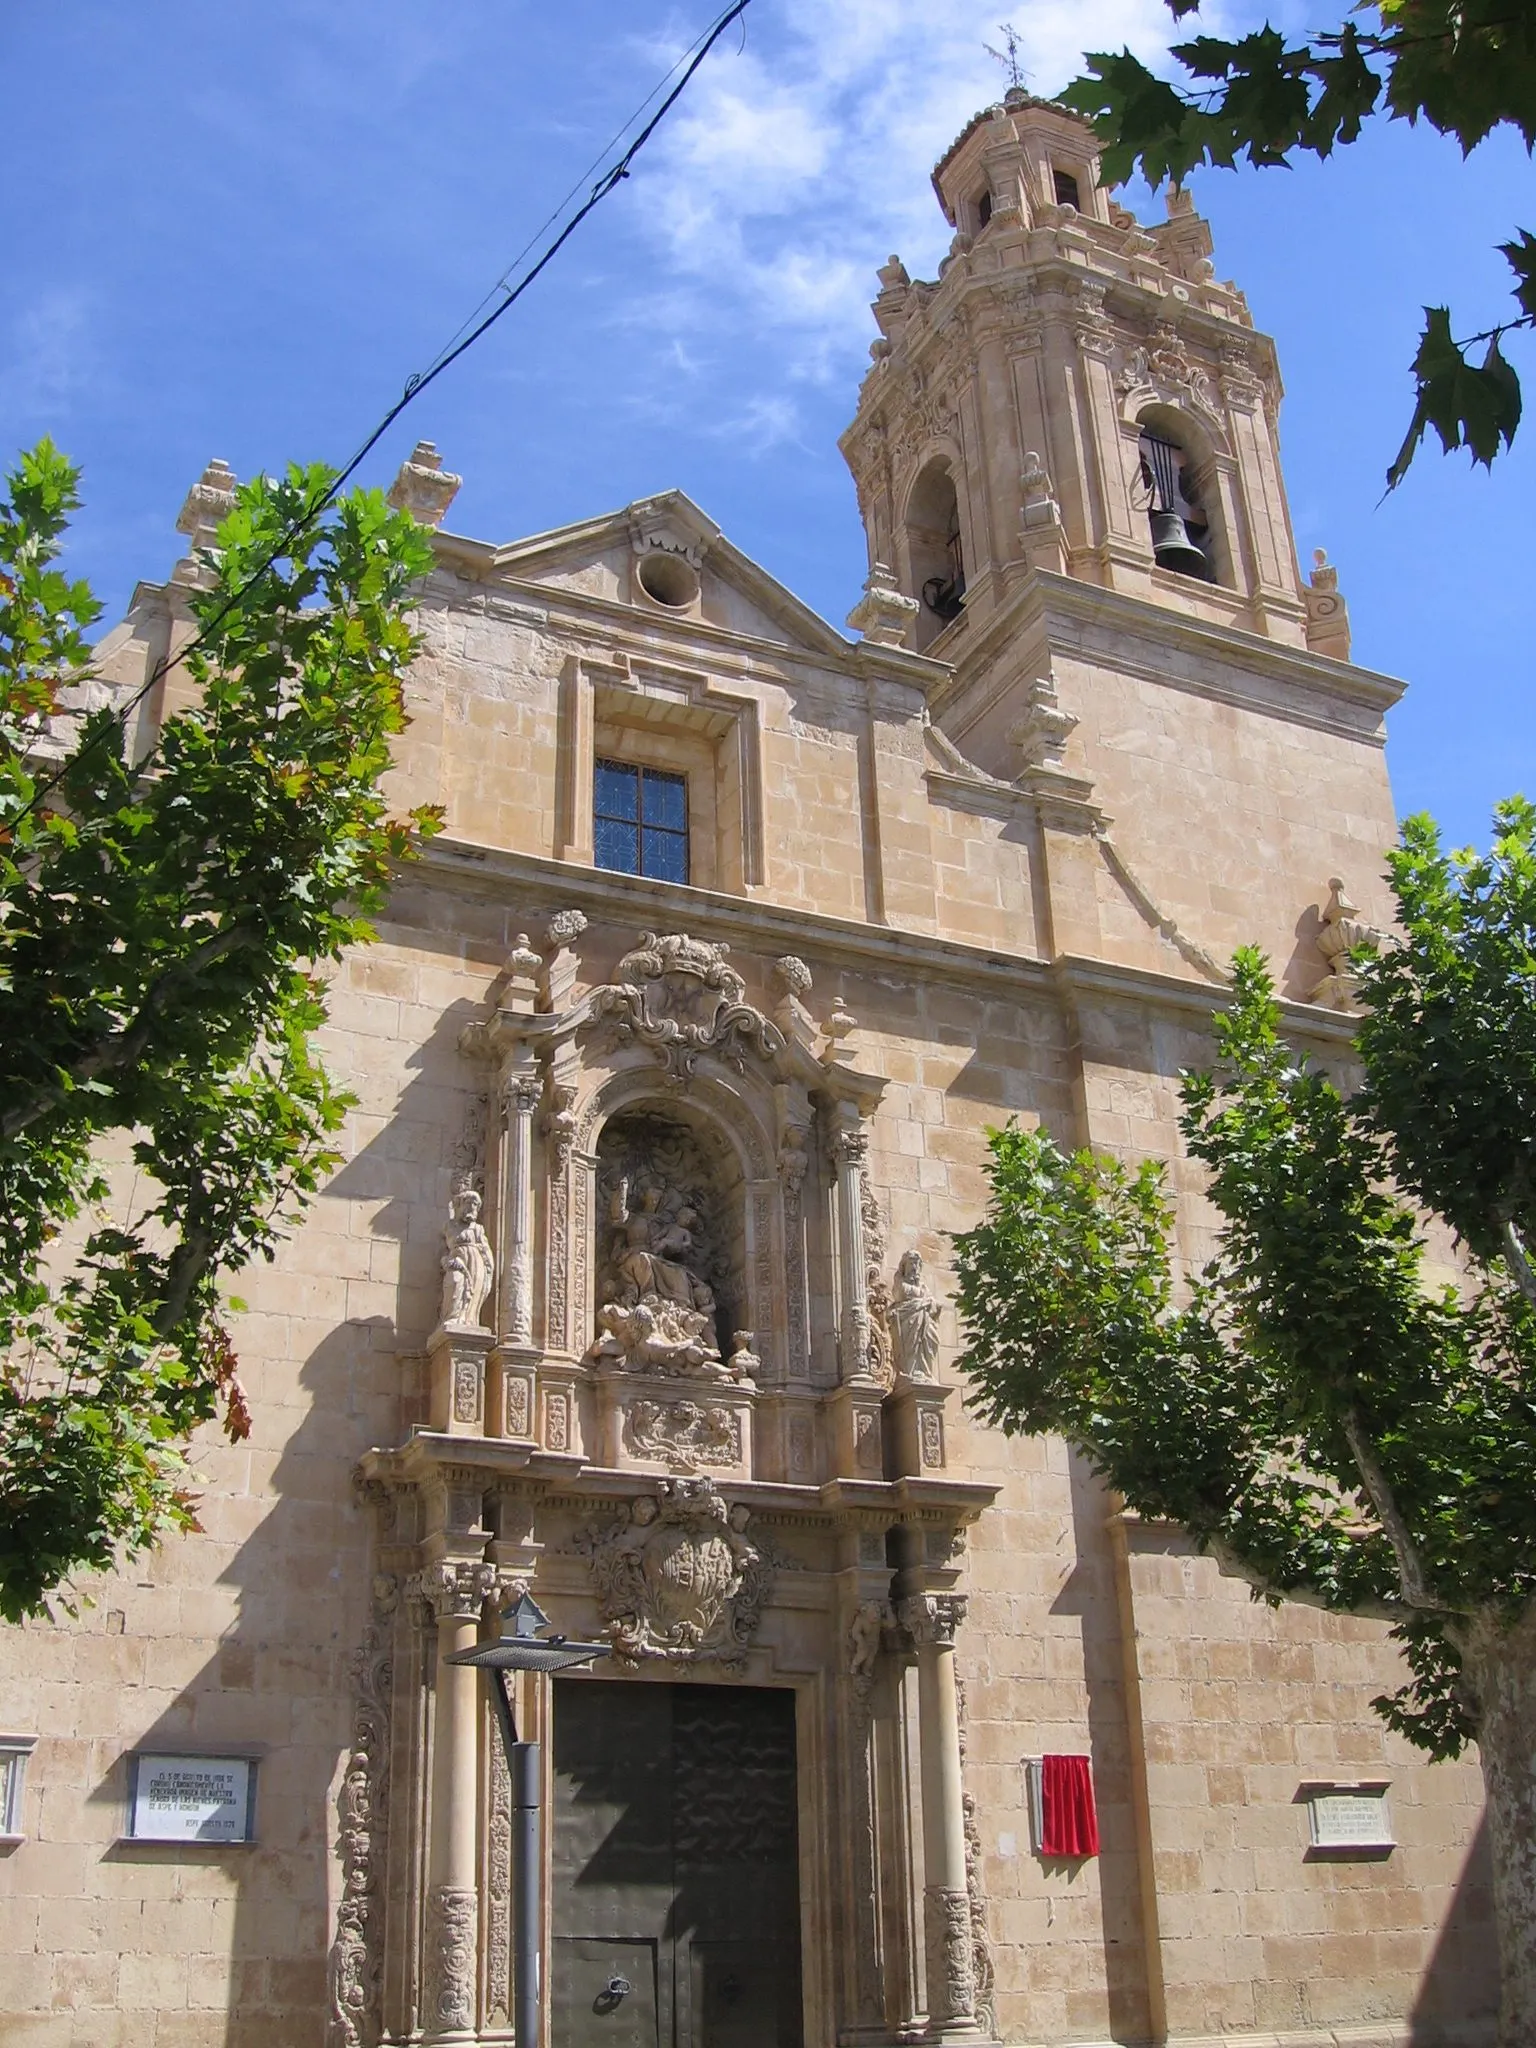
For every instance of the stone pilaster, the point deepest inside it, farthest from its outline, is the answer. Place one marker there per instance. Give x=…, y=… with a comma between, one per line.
x=520, y=1093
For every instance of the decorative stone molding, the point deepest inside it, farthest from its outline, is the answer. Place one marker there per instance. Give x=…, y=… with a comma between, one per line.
x=670, y=525
x=933, y=1618
x=455, y=1590
x=1042, y=732
x=884, y=614
x=1327, y=613
x=792, y=974
x=982, y=1966
x=565, y=926
x=362, y=1807
x=207, y=505
x=676, y=996
x=423, y=487
x=1342, y=930
x=677, y=1578
x=450, y=2003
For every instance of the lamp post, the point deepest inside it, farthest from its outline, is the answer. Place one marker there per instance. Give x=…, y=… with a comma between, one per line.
x=522, y=1647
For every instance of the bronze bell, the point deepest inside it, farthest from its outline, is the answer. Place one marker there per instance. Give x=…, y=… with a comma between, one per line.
x=1172, y=547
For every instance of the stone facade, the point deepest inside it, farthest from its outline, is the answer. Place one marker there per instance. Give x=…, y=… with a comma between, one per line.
x=682, y=1361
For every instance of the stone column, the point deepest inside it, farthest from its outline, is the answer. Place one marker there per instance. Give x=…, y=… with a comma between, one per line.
x=932, y=1619
x=456, y=1591
x=520, y=1092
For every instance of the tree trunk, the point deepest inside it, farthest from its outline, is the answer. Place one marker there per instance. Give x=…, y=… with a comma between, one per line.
x=1500, y=1663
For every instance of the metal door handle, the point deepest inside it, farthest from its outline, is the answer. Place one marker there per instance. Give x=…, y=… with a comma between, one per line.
x=619, y=1987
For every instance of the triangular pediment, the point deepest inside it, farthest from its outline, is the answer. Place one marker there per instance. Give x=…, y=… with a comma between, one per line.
x=665, y=557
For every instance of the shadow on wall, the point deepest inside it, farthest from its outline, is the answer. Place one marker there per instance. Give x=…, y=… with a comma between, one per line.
x=1461, y=1984
x=298, y=1551
x=1090, y=1594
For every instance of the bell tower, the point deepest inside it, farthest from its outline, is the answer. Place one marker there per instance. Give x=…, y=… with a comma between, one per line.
x=1074, y=396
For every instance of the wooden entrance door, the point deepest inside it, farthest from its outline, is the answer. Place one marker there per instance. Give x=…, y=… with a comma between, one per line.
x=675, y=1906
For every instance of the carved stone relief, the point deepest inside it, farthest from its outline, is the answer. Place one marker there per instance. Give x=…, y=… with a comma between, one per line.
x=685, y=1434
x=676, y=996
x=357, y=1956
x=677, y=1577
x=668, y=1256
x=450, y=1960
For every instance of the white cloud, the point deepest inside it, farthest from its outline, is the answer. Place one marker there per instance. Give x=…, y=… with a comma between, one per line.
x=791, y=170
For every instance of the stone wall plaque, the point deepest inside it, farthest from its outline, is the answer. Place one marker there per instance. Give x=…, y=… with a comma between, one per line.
x=192, y=1799
x=1349, y=1819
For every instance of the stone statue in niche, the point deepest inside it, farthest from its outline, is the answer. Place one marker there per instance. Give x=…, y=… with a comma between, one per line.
x=914, y=1321
x=466, y=1262
x=663, y=1255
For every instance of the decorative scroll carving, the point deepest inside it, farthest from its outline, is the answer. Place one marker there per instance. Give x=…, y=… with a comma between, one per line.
x=677, y=1578
x=930, y=1439
x=981, y=1940
x=951, y=1971
x=677, y=996
x=362, y=1805
x=517, y=1405
x=450, y=1960
x=467, y=1388
x=1343, y=929
x=466, y=1261
x=914, y=1321
x=498, y=1887
x=684, y=1434
x=557, y=1422
x=793, y=1163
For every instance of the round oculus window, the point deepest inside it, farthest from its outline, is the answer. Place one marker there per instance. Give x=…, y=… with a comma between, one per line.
x=668, y=579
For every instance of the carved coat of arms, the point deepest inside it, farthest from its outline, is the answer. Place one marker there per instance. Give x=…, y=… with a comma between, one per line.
x=677, y=1578
x=677, y=996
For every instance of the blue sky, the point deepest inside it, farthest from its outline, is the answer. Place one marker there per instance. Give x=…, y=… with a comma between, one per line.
x=235, y=230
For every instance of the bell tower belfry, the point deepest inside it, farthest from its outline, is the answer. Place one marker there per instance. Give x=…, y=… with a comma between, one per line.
x=1075, y=395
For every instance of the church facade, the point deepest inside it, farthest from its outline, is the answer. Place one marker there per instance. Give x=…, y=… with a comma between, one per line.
x=675, y=1061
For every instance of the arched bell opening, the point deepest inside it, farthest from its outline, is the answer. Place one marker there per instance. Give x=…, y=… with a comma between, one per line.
x=935, y=555
x=669, y=1230
x=1177, y=492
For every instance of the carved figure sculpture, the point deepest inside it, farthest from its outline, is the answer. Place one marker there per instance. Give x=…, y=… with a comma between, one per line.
x=914, y=1321
x=466, y=1262
x=864, y=1646
x=662, y=1318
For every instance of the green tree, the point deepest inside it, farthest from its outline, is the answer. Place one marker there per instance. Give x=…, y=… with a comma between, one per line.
x=1464, y=66
x=1320, y=1420
x=161, y=919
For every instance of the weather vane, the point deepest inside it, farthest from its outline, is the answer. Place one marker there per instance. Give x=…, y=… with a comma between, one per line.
x=1008, y=56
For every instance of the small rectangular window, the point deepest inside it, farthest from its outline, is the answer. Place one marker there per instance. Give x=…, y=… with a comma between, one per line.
x=640, y=821
x=1066, y=190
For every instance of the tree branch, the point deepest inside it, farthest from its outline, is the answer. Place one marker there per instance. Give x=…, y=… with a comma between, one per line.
x=1518, y=1259
x=121, y=1048
x=1410, y=1566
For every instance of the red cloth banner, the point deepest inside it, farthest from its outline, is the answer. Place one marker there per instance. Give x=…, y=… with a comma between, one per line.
x=1069, y=1819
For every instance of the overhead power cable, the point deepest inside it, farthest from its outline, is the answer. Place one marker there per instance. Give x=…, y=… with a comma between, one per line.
x=478, y=324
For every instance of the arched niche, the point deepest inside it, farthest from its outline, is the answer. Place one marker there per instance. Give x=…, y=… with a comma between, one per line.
x=670, y=1209
x=1177, y=454
x=935, y=553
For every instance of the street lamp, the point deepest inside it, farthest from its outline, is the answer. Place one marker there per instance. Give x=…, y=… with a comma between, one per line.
x=522, y=1647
